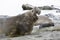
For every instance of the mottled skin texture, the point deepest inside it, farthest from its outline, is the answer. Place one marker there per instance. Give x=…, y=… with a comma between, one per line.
x=22, y=24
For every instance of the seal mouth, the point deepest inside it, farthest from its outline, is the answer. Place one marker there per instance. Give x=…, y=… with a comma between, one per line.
x=38, y=13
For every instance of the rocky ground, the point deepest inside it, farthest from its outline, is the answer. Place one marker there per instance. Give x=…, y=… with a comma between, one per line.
x=48, y=33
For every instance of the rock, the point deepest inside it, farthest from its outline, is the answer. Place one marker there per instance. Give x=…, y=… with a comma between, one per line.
x=27, y=7
x=46, y=25
x=43, y=20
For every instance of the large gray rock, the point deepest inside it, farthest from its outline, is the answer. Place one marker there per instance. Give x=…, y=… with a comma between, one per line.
x=29, y=7
x=43, y=19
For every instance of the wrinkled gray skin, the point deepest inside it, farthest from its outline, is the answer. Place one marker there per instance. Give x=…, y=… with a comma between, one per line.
x=22, y=24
